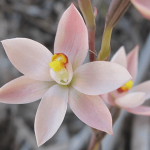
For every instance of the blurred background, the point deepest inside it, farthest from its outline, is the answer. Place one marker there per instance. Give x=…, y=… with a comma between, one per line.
x=38, y=20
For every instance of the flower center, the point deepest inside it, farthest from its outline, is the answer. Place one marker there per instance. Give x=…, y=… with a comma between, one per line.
x=58, y=62
x=127, y=86
x=58, y=67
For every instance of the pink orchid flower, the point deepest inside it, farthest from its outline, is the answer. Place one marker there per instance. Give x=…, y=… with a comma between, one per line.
x=143, y=6
x=61, y=78
x=127, y=97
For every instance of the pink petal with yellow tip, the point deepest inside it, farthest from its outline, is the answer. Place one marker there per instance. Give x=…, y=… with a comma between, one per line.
x=72, y=37
x=29, y=57
x=143, y=87
x=23, y=90
x=50, y=113
x=99, y=77
x=143, y=6
x=132, y=62
x=91, y=110
x=140, y=110
x=120, y=57
x=131, y=100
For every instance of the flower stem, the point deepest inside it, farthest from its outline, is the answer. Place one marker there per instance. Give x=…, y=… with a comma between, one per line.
x=116, y=10
x=89, y=16
x=105, y=47
x=96, y=138
x=91, y=45
x=97, y=135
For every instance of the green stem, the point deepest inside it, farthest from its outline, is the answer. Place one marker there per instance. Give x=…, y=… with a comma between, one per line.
x=116, y=10
x=105, y=48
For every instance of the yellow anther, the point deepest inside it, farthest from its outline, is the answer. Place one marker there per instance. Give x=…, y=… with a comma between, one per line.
x=127, y=86
x=58, y=62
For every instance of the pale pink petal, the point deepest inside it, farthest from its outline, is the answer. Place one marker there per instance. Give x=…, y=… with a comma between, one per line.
x=143, y=87
x=132, y=62
x=140, y=110
x=120, y=57
x=23, y=90
x=131, y=100
x=51, y=113
x=91, y=110
x=108, y=98
x=99, y=77
x=56, y=76
x=72, y=37
x=29, y=57
x=143, y=6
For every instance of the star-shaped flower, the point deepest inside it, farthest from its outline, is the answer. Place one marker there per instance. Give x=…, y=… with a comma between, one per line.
x=61, y=78
x=128, y=97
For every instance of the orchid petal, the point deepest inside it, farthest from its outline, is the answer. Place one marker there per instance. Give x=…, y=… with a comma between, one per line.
x=23, y=90
x=131, y=100
x=51, y=113
x=29, y=57
x=143, y=6
x=132, y=62
x=91, y=110
x=72, y=37
x=108, y=99
x=140, y=110
x=120, y=57
x=99, y=77
x=143, y=87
